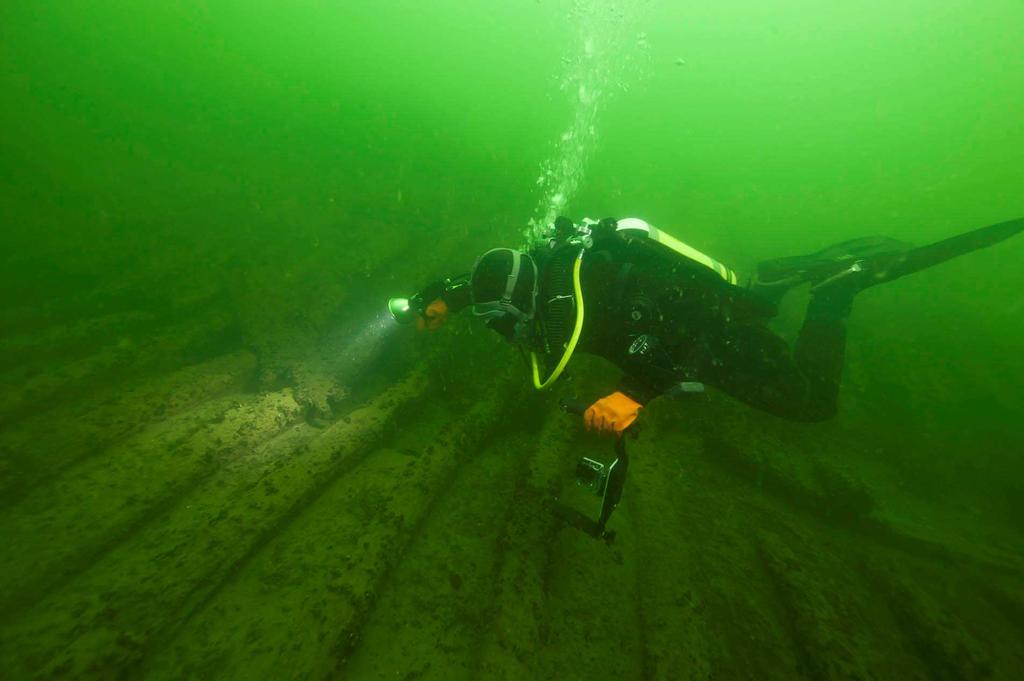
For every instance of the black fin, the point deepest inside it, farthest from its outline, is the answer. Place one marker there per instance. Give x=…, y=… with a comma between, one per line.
x=918, y=259
x=826, y=262
x=864, y=262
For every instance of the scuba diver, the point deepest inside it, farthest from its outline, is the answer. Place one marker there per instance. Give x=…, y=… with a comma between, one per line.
x=670, y=317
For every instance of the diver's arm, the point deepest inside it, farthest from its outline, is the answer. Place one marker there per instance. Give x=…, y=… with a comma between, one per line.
x=454, y=291
x=645, y=380
x=616, y=412
x=648, y=369
x=457, y=294
x=438, y=299
x=638, y=389
x=668, y=384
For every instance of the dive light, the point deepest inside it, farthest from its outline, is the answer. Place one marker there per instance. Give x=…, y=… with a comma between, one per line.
x=402, y=310
x=454, y=292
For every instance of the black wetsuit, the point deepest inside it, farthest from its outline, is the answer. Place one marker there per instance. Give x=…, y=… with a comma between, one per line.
x=664, y=319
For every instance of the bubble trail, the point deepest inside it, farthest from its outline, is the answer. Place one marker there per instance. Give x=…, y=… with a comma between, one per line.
x=608, y=55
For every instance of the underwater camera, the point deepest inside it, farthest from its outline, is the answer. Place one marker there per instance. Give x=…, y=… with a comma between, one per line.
x=593, y=475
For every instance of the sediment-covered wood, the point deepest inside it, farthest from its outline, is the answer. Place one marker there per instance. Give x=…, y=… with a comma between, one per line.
x=41, y=446
x=30, y=390
x=308, y=593
x=438, y=601
x=671, y=577
x=60, y=528
x=939, y=631
x=105, y=620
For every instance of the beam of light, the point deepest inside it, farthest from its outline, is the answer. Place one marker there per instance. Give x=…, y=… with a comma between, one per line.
x=359, y=348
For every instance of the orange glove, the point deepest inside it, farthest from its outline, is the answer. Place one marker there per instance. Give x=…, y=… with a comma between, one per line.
x=612, y=414
x=433, y=317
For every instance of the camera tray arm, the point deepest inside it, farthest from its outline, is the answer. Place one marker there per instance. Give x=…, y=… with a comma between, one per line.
x=611, y=493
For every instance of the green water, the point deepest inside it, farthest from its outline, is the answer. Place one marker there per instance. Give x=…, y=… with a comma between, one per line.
x=218, y=460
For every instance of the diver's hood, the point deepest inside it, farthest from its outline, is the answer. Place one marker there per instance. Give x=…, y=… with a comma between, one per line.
x=504, y=283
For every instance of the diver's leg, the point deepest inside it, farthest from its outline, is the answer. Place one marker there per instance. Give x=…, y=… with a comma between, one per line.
x=821, y=345
x=820, y=351
x=756, y=367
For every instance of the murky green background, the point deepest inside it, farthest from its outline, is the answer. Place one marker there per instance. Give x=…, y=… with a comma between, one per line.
x=218, y=461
